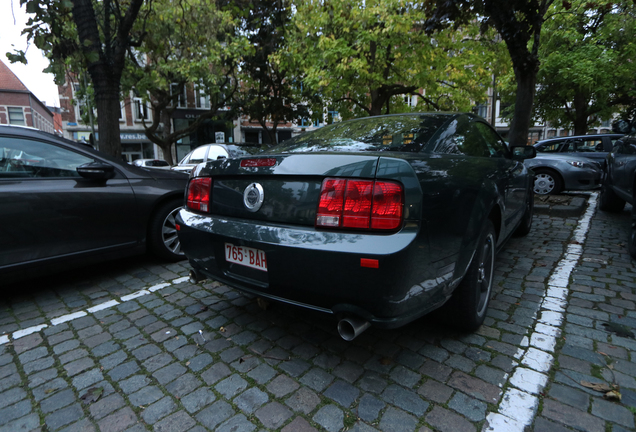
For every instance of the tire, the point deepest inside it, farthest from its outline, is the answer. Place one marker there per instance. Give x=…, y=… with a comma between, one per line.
x=631, y=245
x=608, y=201
x=526, y=221
x=471, y=298
x=547, y=182
x=163, y=240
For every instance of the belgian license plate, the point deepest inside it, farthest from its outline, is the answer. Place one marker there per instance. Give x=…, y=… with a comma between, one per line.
x=246, y=256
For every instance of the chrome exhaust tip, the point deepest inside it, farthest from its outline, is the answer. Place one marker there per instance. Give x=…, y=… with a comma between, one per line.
x=350, y=328
x=195, y=276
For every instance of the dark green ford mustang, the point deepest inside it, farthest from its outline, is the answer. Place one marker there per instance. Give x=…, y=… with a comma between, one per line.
x=377, y=221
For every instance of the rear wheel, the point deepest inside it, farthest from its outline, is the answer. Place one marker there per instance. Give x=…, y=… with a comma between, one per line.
x=526, y=221
x=471, y=298
x=162, y=232
x=608, y=200
x=547, y=182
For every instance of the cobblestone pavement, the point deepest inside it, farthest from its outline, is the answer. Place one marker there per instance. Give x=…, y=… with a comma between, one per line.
x=133, y=346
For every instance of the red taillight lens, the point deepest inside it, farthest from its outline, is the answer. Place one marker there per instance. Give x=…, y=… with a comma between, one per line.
x=387, y=206
x=258, y=162
x=331, y=203
x=199, y=194
x=362, y=204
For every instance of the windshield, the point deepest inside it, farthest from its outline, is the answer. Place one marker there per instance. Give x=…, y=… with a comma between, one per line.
x=401, y=133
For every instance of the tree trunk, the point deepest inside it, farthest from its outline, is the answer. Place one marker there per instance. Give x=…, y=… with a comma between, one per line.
x=580, y=113
x=166, y=143
x=524, y=99
x=108, y=108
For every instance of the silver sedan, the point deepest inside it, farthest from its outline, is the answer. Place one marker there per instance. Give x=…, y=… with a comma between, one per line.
x=557, y=172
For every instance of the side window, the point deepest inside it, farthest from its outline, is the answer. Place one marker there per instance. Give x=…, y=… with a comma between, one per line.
x=549, y=148
x=592, y=145
x=215, y=152
x=197, y=155
x=29, y=158
x=496, y=146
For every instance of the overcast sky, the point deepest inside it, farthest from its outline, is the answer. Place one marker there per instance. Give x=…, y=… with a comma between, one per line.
x=13, y=19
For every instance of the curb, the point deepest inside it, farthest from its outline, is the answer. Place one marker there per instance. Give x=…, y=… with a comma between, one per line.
x=574, y=209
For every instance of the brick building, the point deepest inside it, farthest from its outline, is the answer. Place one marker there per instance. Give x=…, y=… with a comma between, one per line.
x=18, y=106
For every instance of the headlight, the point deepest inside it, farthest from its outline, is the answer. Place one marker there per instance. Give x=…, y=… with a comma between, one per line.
x=578, y=164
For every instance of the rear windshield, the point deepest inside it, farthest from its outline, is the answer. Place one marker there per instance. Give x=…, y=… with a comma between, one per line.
x=401, y=133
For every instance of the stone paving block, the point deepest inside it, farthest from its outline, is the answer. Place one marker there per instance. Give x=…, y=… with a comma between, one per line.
x=405, y=376
x=303, y=400
x=145, y=396
x=215, y=373
x=435, y=391
x=299, y=424
x=157, y=362
x=475, y=387
x=369, y=407
x=78, y=366
x=329, y=417
x=231, y=386
x=613, y=412
x=26, y=343
x=87, y=379
x=183, y=385
x=262, y=373
x=34, y=380
x=405, y=399
x=105, y=349
x=177, y=422
x=317, y=379
x=282, y=385
x=158, y=410
x=447, y=421
x=572, y=417
x=124, y=370
x=33, y=354
x=64, y=416
x=105, y=406
x=169, y=373
x=435, y=370
x=435, y=353
x=38, y=365
x=57, y=401
x=395, y=420
x=198, y=399
x=238, y=423
x=118, y=421
x=468, y=407
x=250, y=400
x=543, y=425
x=12, y=396
x=15, y=411
x=26, y=423
x=295, y=367
x=215, y=414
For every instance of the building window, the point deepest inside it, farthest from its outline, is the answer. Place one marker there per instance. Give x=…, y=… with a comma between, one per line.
x=181, y=91
x=16, y=116
x=140, y=107
x=202, y=100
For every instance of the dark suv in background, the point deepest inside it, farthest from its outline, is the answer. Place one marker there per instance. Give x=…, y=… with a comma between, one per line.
x=618, y=185
x=590, y=146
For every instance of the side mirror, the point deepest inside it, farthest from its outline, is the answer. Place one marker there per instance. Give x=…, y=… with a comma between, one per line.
x=96, y=171
x=523, y=152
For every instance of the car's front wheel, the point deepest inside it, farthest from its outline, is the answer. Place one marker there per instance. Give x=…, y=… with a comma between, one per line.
x=471, y=298
x=608, y=200
x=547, y=182
x=162, y=232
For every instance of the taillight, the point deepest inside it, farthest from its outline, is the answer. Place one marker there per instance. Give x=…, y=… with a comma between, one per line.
x=362, y=204
x=199, y=194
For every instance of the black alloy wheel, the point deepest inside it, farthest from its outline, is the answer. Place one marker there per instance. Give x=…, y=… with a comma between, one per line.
x=162, y=232
x=472, y=296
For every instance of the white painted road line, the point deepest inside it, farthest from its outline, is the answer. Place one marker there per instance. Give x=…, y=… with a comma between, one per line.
x=519, y=405
x=4, y=339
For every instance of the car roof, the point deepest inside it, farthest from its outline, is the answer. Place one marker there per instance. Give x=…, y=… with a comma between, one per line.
x=561, y=138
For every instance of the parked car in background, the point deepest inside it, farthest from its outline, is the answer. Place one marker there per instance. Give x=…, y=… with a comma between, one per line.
x=594, y=147
x=619, y=182
x=64, y=204
x=152, y=163
x=377, y=221
x=556, y=172
x=209, y=152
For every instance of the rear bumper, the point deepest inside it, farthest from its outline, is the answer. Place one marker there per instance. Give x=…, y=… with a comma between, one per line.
x=322, y=270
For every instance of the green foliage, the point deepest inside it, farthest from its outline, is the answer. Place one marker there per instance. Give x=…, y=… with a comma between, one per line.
x=587, y=68
x=360, y=56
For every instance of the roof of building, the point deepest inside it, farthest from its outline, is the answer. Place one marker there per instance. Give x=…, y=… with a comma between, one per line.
x=9, y=81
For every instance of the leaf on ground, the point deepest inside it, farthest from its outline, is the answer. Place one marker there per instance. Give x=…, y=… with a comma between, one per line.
x=599, y=387
x=92, y=395
x=222, y=329
x=386, y=361
x=619, y=329
x=613, y=395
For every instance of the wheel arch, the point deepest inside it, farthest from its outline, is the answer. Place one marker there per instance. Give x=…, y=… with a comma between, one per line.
x=173, y=196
